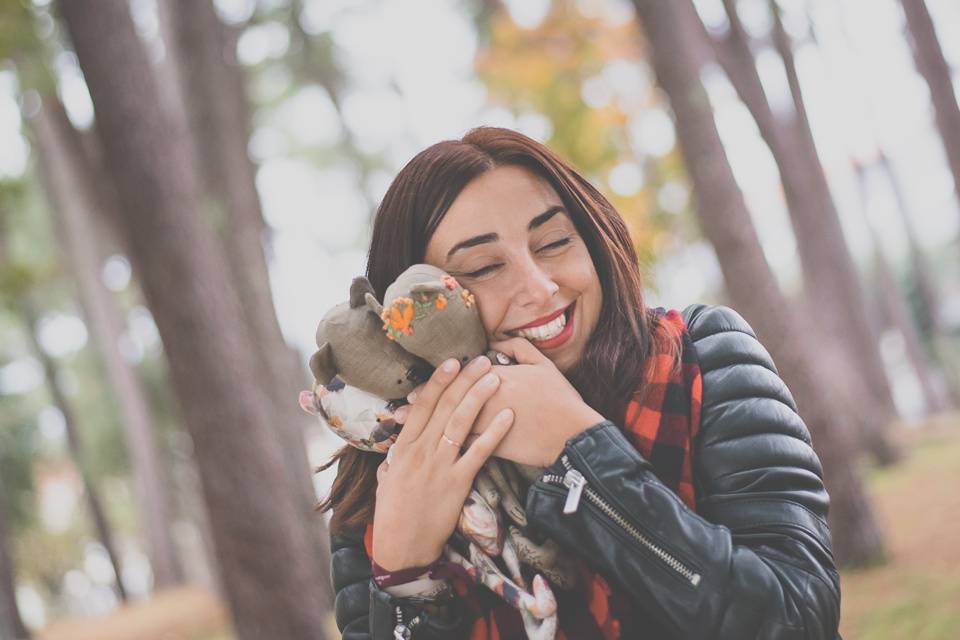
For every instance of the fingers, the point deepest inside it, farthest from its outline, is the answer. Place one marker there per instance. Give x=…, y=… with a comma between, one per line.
x=521, y=350
x=427, y=399
x=484, y=445
x=461, y=420
x=453, y=396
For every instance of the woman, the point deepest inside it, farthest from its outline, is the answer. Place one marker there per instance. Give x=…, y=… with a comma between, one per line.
x=677, y=469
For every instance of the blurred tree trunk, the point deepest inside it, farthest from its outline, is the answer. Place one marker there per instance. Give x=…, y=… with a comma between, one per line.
x=925, y=290
x=107, y=229
x=831, y=280
x=932, y=65
x=897, y=310
x=71, y=184
x=902, y=318
x=104, y=531
x=670, y=28
x=203, y=56
x=271, y=574
x=11, y=624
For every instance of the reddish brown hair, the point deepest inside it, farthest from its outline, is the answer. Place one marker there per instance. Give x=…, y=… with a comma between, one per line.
x=610, y=370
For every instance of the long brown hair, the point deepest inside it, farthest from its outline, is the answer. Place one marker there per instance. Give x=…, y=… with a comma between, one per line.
x=610, y=370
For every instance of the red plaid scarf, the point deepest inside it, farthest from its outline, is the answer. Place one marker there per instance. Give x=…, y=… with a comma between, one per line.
x=662, y=426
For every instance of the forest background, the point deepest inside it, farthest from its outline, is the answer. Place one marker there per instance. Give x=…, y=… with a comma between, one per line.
x=187, y=185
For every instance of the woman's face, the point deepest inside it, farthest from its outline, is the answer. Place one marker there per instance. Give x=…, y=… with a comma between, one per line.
x=508, y=239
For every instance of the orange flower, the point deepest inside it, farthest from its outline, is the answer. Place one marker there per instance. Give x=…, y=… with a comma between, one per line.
x=441, y=301
x=467, y=298
x=398, y=317
x=449, y=282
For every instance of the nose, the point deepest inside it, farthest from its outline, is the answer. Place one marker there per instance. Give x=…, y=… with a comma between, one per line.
x=534, y=286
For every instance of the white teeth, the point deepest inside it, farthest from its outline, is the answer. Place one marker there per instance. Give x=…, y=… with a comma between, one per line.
x=545, y=331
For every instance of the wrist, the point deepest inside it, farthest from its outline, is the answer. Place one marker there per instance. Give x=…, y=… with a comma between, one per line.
x=403, y=564
x=575, y=420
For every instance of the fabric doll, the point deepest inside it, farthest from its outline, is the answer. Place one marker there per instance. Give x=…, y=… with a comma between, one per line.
x=428, y=319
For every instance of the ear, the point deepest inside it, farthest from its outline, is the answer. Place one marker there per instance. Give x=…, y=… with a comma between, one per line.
x=323, y=365
x=427, y=287
x=373, y=304
x=308, y=402
x=359, y=289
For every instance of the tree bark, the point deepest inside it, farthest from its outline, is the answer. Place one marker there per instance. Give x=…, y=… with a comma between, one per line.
x=670, y=32
x=104, y=531
x=831, y=281
x=274, y=585
x=932, y=65
x=72, y=187
x=203, y=55
x=11, y=624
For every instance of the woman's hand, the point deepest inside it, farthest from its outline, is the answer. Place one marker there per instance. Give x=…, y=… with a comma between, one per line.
x=548, y=410
x=421, y=491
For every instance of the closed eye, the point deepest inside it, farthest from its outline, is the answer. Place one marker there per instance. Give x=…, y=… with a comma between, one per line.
x=555, y=245
x=483, y=271
x=490, y=268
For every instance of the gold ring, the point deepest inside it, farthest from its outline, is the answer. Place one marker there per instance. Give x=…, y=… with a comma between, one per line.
x=449, y=440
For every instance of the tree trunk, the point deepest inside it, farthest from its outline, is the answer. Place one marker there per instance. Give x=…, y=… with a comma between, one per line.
x=72, y=187
x=670, y=31
x=830, y=275
x=98, y=514
x=896, y=308
x=273, y=582
x=931, y=64
x=11, y=624
x=203, y=55
x=925, y=289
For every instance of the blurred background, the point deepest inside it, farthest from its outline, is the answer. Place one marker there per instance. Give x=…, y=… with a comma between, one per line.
x=187, y=185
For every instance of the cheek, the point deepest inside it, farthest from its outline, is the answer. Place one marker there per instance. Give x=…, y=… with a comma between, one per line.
x=492, y=310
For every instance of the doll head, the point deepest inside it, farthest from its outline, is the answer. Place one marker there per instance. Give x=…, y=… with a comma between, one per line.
x=353, y=348
x=430, y=315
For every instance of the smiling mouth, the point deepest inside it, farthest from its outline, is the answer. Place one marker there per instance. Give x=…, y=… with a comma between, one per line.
x=548, y=331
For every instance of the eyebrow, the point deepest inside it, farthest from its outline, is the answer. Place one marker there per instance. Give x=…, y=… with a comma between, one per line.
x=537, y=221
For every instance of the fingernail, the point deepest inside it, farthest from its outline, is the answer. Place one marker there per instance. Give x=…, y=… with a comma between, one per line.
x=449, y=366
x=412, y=397
x=400, y=415
x=489, y=380
x=506, y=415
x=480, y=362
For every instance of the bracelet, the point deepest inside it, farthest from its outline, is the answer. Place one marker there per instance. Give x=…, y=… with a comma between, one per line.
x=385, y=578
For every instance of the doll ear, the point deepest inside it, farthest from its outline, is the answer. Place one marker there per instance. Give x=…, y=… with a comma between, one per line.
x=373, y=304
x=308, y=402
x=322, y=364
x=427, y=287
x=360, y=288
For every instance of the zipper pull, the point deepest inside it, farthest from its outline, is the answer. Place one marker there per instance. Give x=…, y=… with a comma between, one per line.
x=401, y=631
x=575, y=482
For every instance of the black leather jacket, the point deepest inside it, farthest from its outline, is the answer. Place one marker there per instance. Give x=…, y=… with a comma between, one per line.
x=754, y=561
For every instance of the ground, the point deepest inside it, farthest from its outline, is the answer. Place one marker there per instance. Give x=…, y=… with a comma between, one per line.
x=914, y=596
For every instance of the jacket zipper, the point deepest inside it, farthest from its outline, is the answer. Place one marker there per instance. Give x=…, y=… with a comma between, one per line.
x=404, y=630
x=576, y=485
